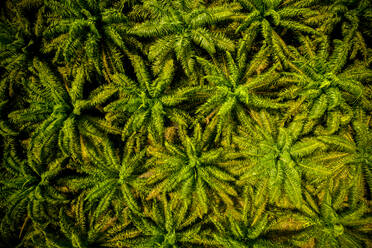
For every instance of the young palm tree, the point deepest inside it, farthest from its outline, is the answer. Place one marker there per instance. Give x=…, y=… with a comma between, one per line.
x=272, y=19
x=108, y=177
x=148, y=101
x=81, y=228
x=30, y=194
x=231, y=92
x=95, y=29
x=180, y=29
x=21, y=41
x=327, y=222
x=243, y=227
x=353, y=18
x=166, y=224
x=195, y=171
x=324, y=89
x=354, y=155
x=276, y=158
x=54, y=116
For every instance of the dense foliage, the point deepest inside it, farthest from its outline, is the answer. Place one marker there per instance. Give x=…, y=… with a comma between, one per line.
x=186, y=123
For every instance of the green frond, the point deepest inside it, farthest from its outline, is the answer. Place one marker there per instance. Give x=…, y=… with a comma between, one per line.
x=306, y=147
x=154, y=123
x=339, y=142
x=292, y=185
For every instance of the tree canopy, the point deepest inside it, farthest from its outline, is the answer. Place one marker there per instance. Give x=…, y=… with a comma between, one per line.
x=185, y=123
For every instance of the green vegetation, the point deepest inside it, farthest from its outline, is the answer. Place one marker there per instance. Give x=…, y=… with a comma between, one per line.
x=186, y=123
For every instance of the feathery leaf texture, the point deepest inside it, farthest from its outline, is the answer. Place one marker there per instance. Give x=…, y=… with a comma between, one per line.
x=153, y=123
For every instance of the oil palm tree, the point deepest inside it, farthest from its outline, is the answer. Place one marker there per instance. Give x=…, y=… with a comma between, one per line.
x=354, y=156
x=21, y=39
x=180, y=30
x=148, y=101
x=324, y=88
x=271, y=18
x=329, y=223
x=30, y=193
x=95, y=30
x=54, y=116
x=116, y=175
x=244, y=226
x=231, y=92
x=81, y=228
x=167, y=223
x=353, y=18
x=193, y=170
x=277, y=158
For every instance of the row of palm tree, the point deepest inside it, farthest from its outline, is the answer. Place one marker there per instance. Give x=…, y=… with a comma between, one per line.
x=151, y=123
